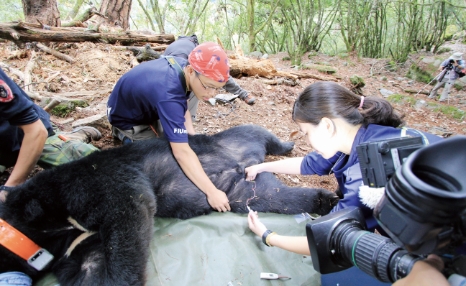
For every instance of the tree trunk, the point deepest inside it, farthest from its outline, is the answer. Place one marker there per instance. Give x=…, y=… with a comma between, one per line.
x=117, y=12
x=44, y=11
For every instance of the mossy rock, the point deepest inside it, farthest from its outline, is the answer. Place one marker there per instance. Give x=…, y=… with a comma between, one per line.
x=419, y=74
x=322, y=68
x=357, y=81
x=311, y=54
x=458, y=85
x=392, y=66
x=443, y=50
x=64, y=109
x=343, y=55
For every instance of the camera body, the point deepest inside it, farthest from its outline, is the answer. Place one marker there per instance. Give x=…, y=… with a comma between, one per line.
x=423, y=210
x=450, y=65
x=379, y=160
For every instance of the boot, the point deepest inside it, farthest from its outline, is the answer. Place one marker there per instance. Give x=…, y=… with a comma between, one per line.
x=249, y=99
x=84, y=133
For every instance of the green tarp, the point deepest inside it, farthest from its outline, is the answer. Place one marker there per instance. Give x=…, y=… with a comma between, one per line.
x=219, y=249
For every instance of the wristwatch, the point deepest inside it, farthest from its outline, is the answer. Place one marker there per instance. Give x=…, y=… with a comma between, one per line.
x=5, y=188
x=265, y=235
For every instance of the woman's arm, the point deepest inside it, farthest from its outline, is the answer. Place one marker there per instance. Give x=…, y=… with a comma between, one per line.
x=290, y=166
x=296, y=244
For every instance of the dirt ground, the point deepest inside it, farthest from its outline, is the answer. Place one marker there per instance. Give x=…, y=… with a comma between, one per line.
x=98, y=67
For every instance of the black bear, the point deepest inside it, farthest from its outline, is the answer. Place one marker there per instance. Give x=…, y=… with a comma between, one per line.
x=95, y=215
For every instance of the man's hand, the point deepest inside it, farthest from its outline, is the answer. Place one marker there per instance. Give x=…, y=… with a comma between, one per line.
x=425, y=272
x=219, y=201
x=3, y=195
x=192, y=168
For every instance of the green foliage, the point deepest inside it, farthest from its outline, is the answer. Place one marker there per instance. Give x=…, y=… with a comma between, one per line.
x=357, y=81
x=11, y=10
x=343, y=55
x=402, y=99
x=449, y=32
x=450, y=111
x=367, y=28
x=392, y=66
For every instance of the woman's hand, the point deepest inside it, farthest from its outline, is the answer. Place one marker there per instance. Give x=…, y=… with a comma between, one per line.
x=251, y=172
x=255, y=224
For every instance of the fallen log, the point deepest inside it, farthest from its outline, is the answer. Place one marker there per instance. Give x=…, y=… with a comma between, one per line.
x=416, y=91
x=314, y=76
x=243, y=66
x=80, y=93
x=28, y=72
x=155, y=48
x=27, y=32
x=280, y=81
x=12, y=70
x=55, y=53
x=145, y=53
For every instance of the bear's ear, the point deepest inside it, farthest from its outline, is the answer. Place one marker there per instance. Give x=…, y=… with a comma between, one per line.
x=33, y=210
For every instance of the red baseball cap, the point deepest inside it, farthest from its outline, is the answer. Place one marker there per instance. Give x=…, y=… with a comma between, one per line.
x=210, y=60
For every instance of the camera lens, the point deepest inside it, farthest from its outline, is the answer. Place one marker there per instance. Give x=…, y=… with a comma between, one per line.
x=425, y=197
x=429, y=186
x=374, y=254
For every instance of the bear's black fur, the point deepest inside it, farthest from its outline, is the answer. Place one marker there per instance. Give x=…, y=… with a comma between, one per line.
x=115, y=194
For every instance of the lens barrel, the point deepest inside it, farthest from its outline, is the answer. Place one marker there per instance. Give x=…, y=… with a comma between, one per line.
x=376, y=255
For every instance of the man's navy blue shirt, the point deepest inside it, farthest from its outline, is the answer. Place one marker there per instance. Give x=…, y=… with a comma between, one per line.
x=151, y=91
x=21, y=110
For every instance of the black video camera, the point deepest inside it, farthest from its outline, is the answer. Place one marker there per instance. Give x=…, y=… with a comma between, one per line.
x=450, y=64
x=423, y=210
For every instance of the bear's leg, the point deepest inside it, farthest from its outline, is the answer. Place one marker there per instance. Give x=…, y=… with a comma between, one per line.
x=268, y=194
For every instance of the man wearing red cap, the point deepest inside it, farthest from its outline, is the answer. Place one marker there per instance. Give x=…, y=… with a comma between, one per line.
x=182, y=48
x=158, y=91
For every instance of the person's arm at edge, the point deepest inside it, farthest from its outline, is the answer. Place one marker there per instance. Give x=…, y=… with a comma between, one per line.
x=296, y=244
x=291, y=166
x=191, y=166
x=32, y=145
x=425, y=272
x=189, y=123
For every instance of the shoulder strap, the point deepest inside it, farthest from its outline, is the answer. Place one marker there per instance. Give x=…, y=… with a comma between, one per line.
x=176, y=66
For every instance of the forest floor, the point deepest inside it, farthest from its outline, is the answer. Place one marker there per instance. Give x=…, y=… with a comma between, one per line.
x=99, y=66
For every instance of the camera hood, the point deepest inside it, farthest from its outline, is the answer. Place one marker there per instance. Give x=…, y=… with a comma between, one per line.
x=426, y=196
